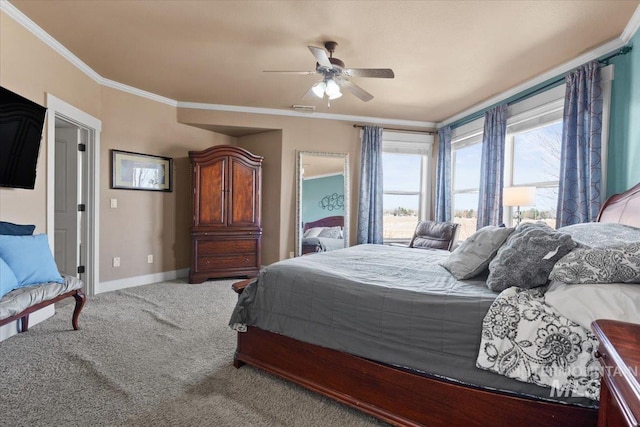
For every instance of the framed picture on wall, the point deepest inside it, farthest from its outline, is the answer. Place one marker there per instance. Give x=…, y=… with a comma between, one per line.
x=137, y=171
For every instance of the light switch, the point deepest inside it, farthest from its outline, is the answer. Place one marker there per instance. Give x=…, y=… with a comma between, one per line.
x=114, y=203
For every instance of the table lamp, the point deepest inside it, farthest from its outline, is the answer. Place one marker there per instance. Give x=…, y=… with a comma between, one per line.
x=518, y=196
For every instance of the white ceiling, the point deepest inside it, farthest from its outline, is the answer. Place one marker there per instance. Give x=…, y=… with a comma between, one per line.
x=447, y=55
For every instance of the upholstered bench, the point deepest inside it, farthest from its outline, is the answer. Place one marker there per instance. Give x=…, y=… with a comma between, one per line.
x=21, y=302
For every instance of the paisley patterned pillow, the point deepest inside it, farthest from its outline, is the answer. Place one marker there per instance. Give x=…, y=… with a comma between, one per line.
x=620, y=264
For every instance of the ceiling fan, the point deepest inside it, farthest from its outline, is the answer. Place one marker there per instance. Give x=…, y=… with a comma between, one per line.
x=335, y=75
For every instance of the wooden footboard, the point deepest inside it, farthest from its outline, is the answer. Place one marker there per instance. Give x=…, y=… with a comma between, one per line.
x=397, y=396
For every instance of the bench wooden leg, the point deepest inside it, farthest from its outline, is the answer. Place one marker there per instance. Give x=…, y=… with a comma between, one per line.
x=80, y=299
x=24, y=323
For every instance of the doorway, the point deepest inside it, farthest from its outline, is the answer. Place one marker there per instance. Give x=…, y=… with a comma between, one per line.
x=70, y=198
x=73, y=174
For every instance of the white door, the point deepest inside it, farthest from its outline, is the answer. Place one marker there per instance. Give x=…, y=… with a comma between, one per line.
x=68, y=195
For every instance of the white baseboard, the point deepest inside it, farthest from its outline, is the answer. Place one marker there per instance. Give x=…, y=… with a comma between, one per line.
x=13, y=328
x=130, y=282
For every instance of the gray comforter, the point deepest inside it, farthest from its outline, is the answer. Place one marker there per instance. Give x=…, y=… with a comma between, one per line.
x=390, y=304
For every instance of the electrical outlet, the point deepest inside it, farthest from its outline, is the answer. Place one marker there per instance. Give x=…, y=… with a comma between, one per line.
x=114, y=203
x=116, y=261
x=150, y=259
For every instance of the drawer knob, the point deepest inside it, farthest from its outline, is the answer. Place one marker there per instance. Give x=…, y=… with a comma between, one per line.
x=599, y=355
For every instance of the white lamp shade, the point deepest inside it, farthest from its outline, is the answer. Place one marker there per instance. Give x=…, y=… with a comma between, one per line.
x=318, y=89
x=332, y=89
x=518, y=196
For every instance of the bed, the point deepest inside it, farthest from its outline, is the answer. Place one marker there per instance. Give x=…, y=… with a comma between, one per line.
x=392, y=390
x=323, y=235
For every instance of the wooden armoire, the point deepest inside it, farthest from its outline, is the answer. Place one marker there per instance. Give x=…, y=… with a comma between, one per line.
x=226, y=230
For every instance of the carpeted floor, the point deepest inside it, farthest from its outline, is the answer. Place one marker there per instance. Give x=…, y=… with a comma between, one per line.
x=156, y=355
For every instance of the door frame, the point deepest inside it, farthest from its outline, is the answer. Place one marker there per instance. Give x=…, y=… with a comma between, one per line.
x=58, y=108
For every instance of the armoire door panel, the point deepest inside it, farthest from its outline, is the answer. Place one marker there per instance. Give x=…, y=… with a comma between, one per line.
x=211, y=209
x=243, y=194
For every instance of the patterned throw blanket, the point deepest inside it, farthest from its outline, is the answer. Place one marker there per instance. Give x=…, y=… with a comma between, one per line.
x=525, y=339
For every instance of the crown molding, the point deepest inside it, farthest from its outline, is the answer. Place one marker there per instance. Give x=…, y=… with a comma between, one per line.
x=138, y=92
x=562, y=69
x=632, y=26
x=327, y=116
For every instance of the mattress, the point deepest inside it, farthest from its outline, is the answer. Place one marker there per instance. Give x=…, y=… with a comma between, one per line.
x=390, y=304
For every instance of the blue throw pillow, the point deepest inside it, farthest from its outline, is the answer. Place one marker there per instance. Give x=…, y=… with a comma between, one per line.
x=8, y=280
x=30, y=259
x=11, y=229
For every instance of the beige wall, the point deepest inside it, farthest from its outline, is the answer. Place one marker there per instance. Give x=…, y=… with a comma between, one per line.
x=269, y=146
x=145, y=222
x=31, y=69
x=298, y=133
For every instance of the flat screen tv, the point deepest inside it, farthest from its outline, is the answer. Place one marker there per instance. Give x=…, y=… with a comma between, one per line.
x=21, y=123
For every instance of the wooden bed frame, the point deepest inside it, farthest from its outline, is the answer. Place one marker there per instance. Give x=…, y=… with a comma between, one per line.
x=406, y=398
x=330, y=221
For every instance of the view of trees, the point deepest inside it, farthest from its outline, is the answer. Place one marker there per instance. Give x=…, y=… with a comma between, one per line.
x=400, y=211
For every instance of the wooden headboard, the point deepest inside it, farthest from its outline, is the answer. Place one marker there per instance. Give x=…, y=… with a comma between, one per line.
x=623, y=208
x=330, y=221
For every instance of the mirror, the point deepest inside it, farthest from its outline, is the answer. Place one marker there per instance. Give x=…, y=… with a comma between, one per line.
x=322, y=202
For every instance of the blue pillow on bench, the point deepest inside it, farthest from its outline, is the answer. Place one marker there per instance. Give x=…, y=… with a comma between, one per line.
x=11, y=229
x=8, y=280
x=30, y=259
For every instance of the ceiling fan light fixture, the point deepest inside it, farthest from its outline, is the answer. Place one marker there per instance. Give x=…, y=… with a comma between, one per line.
x=318, y=89
x=333, y=90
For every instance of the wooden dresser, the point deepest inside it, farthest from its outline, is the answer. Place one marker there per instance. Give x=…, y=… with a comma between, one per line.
x=619, y=354
x=226, y=230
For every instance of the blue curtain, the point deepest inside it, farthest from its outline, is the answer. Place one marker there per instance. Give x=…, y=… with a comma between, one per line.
x=443, y=176
x=370, y=196
x=580, y=157
x=492, y=167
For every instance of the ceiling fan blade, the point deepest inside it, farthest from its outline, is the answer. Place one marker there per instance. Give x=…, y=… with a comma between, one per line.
x=354, y=89
x=383, y=73
x=305, y=73
x=321, y=56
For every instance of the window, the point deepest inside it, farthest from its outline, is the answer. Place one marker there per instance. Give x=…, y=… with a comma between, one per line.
x=466, y=151
x=532, y=158
x=406, y=175
x=536, y=163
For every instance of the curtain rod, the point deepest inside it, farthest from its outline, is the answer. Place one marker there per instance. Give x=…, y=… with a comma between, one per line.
x=549, y=85
x=428, y=132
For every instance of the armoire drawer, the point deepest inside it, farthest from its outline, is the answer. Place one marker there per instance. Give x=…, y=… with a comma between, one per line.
x=227, y=247
x=227, y=261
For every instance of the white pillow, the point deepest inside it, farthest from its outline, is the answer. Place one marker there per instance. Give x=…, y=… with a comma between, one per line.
x=585, y=303
x=313, y=232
